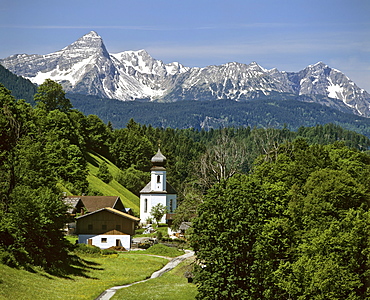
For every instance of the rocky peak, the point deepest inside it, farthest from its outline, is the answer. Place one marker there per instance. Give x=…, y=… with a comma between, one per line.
x=87, y=45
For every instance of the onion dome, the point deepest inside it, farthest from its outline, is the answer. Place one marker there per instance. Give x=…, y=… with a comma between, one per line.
x=158, y=160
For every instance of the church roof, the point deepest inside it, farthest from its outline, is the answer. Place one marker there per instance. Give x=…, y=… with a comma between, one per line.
x=148, y=190
x=158, y=158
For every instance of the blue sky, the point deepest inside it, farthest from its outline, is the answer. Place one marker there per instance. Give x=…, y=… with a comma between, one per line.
x=286, y=34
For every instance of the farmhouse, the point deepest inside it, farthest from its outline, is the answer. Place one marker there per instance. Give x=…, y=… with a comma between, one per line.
x=158, y=190
x=106, y=227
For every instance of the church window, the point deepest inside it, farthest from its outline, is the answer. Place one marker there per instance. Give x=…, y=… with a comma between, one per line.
x=145, y=205
x=171, y=203
x=158, y=179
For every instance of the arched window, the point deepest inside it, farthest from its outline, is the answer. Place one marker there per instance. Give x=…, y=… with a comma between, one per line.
x=171, y=203
x=145, y=205
x=158, y=179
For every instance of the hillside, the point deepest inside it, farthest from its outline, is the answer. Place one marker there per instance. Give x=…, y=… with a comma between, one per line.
x=113, y=188
x=21, y=88
x=275, y=112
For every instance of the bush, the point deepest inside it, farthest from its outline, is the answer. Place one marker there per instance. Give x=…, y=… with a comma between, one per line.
x=7, y=258
x=87, y=249
x=163, y=250
x=108, y=252
x=159, y=235
x=103, y=173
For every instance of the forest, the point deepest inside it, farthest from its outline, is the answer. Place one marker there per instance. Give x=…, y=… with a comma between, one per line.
x=277, y=213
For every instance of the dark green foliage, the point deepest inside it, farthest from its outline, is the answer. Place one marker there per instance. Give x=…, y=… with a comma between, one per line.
x=158, y=212
x=37, y=151
x=103, y=173
x=21, y=88
x=108, y=252
x=264, y=113
x=87, y=249
x=131, y=148
x=297, y=227
x=50, y=95
x=133, y=180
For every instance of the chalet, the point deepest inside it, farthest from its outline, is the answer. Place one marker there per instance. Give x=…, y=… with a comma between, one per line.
x=158, y=190
x=81, y=205
x=106, y=227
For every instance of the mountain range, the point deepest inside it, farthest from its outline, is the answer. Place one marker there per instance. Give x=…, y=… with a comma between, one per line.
x=86, y=67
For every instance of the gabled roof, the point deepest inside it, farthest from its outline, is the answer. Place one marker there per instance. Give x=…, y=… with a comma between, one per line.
x=113, y=211
x=71, y=202
x=185, y=225
x=148, y=189
x=93, y=203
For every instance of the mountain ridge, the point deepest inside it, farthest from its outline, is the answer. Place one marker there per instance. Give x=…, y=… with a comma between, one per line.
x=86, y=67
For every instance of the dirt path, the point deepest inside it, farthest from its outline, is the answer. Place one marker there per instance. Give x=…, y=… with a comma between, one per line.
x=107, y=294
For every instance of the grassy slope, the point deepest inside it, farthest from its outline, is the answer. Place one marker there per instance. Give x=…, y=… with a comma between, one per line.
x=87, y=282
x=172, y=285
x=113, y=188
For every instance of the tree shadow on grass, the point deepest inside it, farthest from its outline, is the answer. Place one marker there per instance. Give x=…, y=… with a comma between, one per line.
x=75, y=267
x=92, y=160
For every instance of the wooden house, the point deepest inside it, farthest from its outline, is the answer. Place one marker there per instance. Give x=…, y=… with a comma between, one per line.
x=106, y=227
x=80, y=205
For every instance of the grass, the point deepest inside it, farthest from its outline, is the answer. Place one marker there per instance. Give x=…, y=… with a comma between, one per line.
x=171, y=285
x=113, y=188
x=162, y=250
x=86, y=282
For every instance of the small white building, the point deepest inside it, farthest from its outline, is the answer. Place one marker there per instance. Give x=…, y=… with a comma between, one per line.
x=158, y=190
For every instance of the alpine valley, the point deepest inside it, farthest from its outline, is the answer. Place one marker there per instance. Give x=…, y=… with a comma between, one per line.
x=85, y=67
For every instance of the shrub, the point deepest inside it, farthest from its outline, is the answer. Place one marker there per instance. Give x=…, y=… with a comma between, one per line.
x=87, y=249
x=7, y=258
x=108, y=252
x=163, y=250
x=159, y=235
x=103, y=173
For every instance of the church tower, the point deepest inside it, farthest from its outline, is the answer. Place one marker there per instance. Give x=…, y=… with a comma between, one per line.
x=158, y=190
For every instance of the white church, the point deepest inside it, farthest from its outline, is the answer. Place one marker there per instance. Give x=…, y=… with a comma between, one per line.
x=158, y=190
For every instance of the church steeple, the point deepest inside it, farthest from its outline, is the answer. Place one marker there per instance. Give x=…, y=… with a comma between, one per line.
x=158, y=172
x=157, y=190
x=158, y=161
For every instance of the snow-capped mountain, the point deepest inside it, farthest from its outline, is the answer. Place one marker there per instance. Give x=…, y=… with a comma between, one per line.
x=86, y=67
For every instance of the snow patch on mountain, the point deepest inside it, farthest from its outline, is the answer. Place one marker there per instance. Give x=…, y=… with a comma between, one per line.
x=86, y=67
x=73, y=75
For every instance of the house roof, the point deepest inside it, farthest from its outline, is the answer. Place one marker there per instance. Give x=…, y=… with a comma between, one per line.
x=71, y=202
x=111, y=210
x=92, y=203
x=185, y=225
x=148, y=189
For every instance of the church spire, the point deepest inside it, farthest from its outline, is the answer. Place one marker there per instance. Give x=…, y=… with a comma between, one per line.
x=158, y=160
